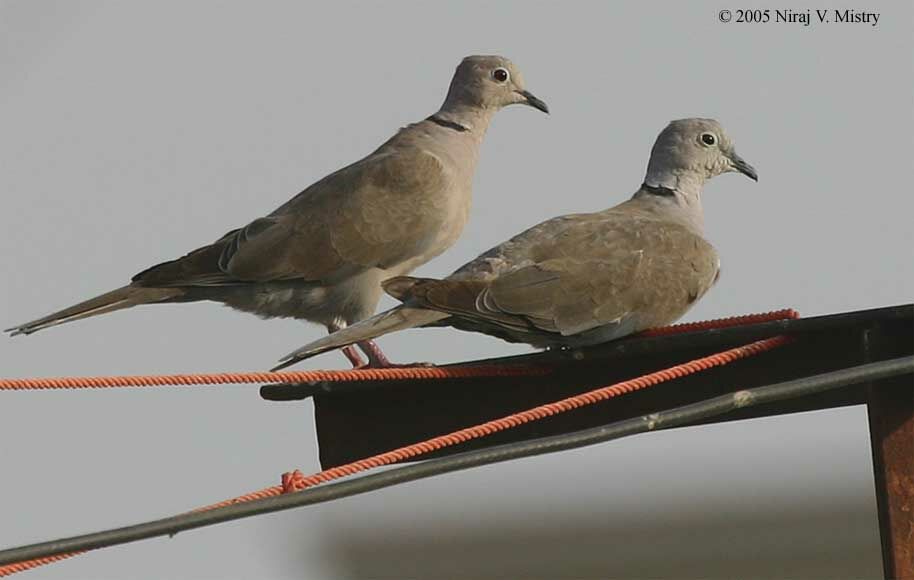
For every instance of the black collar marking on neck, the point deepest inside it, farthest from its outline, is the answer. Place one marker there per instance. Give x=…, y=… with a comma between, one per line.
x=448, y=124
x=658, y=190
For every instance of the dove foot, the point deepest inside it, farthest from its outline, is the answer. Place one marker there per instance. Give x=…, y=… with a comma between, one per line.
x=354, y=357
x=378, y=360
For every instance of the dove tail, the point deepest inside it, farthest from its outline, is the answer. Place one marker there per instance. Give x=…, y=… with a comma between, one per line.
x=123, y=297
x=398, y=318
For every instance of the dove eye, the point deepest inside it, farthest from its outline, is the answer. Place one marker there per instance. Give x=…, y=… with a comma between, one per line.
x=708, y=139
x=500, y=75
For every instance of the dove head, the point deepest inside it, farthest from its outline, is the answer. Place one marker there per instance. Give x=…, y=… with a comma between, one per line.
x=688, y=152
x=488, y=83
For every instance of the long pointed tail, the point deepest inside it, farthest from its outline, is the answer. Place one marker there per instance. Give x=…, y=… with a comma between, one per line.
x=123, y=297
x=398, y=318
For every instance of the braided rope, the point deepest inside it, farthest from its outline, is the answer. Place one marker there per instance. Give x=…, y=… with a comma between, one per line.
x=718, y=323
x=542, y=411
x=381, y=374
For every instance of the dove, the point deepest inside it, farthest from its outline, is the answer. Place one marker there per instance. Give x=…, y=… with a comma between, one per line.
x=580, y=279
x=321, y=256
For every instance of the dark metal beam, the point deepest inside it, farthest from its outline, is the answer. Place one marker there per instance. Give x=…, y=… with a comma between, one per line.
x=362, y=420
x=359, y=420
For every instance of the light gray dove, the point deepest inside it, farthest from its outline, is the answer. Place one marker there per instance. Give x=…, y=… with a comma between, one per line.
x=580, y=279
x=322, y=255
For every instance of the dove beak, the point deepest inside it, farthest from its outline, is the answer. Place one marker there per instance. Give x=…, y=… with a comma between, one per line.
x=530, y=99
x=739, y=164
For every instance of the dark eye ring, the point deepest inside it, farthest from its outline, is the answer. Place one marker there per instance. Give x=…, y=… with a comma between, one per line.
x=708, y=139
x=500, y=75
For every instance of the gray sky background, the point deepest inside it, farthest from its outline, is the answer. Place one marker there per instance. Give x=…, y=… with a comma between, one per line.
x=132, y=132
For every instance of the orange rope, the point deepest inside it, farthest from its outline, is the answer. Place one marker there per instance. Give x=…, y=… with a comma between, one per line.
x=543, y=411
x=382, y=374
x=290, y=483
x=388, y=374
x=718, y=323
x=296, y=481
x=11, y=569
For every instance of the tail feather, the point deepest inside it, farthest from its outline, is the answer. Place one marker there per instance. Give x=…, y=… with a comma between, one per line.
x=398, y=318
x=118, y=299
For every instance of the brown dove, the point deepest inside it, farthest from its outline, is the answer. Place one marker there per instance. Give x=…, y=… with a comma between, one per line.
x=322, y=255
x=581, y=279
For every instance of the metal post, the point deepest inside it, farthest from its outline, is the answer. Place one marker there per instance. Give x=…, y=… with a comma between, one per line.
x=891, y=417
